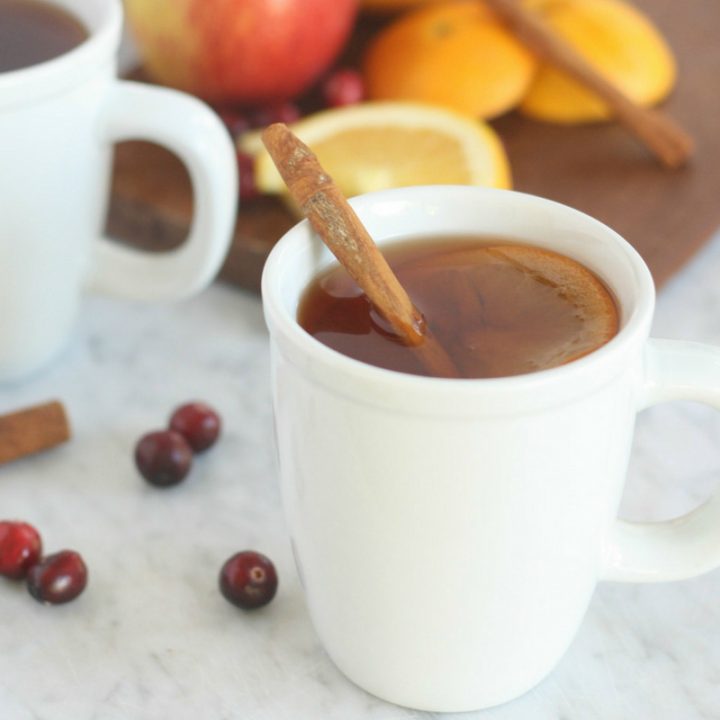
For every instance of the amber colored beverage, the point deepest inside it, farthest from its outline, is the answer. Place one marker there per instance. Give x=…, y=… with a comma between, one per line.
x=32, y=32
x=498, y=308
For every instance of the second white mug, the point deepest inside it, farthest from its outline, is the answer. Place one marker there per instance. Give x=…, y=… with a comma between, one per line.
x=58, y=122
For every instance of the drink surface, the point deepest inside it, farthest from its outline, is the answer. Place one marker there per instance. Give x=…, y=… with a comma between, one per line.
x=498, y=308
x=32, y=32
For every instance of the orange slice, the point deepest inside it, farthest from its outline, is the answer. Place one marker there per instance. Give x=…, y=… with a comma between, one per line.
x=374, y=146
x=523, y=308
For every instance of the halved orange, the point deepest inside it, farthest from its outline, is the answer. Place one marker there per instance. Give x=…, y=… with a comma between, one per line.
x=374, y=146
x=456, y=54
x=619, y=41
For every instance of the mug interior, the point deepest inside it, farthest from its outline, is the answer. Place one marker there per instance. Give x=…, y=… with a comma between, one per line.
x=103, y=21
x=94, y=14
x=424, y=213
x=430, y=211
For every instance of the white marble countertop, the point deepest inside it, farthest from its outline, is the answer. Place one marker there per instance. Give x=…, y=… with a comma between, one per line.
x=152, y=639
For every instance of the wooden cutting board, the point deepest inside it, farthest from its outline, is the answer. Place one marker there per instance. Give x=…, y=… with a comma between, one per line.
x=600, y=169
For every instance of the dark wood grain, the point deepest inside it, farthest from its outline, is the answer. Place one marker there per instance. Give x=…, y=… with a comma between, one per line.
x=600, y=169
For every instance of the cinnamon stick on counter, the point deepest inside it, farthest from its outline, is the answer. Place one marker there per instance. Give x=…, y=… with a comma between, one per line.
x=667, y=140
x=331, y=216
x=31, y=430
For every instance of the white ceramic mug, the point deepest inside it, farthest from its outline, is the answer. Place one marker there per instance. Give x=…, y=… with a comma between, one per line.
x=449, y=534
x=58, y=122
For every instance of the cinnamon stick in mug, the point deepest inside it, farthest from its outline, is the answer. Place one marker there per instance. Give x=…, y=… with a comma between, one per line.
x=339, y=227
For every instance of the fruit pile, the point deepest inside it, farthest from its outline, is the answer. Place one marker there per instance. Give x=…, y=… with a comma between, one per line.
x=492, y=71
x=343, y=78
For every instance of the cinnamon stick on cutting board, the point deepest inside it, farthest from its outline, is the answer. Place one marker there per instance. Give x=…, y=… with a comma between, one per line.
x=32, y=430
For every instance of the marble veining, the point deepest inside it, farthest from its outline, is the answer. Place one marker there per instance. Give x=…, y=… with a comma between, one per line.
x=152, y=638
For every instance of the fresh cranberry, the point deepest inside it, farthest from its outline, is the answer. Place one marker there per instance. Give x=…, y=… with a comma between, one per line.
x=343, y=87
x=20, y=548
x=281, y=112
x=235, y=121
x=198, y=423
x=57, y=578
x=246, y=176
x=163, y=457
x=248, y=580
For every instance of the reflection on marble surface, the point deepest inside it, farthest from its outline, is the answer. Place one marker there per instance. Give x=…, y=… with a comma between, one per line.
x=152, y=638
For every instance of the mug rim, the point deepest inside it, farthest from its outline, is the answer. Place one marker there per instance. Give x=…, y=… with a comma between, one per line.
x=28, y=82
x=283, y=326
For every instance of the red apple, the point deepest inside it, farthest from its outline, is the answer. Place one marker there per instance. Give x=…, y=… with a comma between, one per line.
x=243, y=51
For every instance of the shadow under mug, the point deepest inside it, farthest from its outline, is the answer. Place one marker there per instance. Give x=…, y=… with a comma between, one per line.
x=449, y=534
x=58, y=122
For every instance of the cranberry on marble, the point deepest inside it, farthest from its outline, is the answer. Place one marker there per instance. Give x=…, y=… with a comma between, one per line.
x=248, y=580
x=20, y=548
x=163, y=457
x=57, y=578
x=198, y=423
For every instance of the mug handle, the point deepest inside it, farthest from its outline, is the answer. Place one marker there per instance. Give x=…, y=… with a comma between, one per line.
x=689, y=545
x=189, y=128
